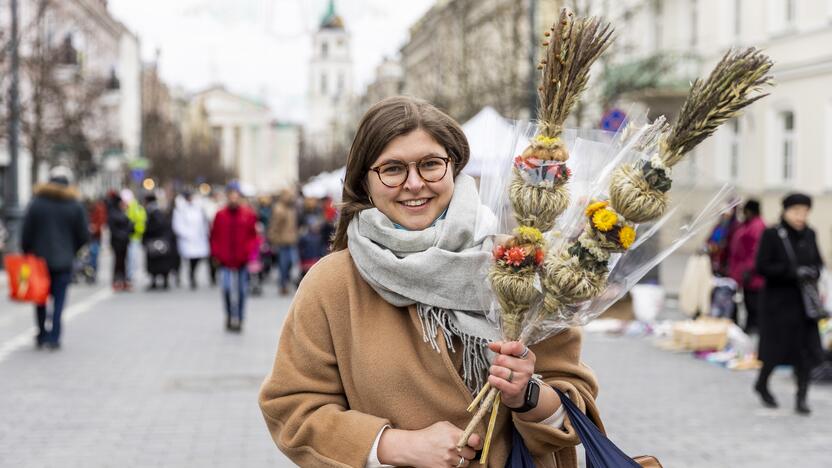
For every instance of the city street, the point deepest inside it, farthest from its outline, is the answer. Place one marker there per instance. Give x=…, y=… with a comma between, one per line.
x=152, y=379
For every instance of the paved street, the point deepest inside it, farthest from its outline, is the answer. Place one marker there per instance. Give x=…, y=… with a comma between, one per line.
x=152, y=379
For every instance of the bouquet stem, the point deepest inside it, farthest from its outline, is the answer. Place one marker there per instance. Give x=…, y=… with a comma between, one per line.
x=491, y=423
x=479, y=397
x=487, y=404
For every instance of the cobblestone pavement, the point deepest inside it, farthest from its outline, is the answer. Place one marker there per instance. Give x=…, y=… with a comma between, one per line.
x=693, y=414
x=151, y=379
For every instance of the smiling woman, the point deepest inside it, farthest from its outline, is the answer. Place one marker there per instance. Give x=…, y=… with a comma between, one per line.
x=387, y=338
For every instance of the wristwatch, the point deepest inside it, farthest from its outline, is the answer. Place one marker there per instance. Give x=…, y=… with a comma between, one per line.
x=532, y=395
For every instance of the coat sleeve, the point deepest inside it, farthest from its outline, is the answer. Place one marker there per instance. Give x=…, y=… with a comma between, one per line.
x=558, y=362
x=770, y=263
x=303, y=399
x=81, y=234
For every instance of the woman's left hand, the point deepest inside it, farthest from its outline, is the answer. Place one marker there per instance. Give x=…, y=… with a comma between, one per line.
x=509, y=373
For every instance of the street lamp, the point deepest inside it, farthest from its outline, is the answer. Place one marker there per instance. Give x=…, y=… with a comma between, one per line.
x=11, y=205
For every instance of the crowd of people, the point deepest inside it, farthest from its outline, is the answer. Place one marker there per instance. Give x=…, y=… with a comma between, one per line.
x=777, y=270
x=237, y=239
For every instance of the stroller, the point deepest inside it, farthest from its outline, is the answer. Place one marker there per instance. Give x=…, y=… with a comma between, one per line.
x=82, y=267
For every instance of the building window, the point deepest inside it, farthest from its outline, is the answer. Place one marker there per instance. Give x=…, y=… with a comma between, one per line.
x=324, y=49
x=340, y=83
x=694, y=22
x=737, y=18
x=786, y=124
x=734, y=148
x=323, y=84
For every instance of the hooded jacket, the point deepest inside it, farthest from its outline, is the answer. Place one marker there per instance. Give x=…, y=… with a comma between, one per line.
x=55, y=226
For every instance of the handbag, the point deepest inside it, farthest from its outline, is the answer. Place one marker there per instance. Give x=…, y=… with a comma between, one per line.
x=157, y=248
x=809, y=292
x=28, y=278
x=600, y=451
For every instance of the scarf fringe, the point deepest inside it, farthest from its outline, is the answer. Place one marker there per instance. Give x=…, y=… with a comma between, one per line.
x=475, y=362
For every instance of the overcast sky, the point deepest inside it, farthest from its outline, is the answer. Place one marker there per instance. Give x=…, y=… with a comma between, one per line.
x=261, y=48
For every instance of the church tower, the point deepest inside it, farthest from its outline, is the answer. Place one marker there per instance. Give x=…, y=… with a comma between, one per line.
x=330, y=85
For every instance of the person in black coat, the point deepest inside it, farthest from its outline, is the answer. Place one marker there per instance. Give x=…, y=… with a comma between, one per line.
x=54, y=228
x=158, y=241
x=120, y=228
x=787, y=334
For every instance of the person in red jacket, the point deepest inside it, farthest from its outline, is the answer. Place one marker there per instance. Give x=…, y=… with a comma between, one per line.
x=741, y=258
x=233, y=236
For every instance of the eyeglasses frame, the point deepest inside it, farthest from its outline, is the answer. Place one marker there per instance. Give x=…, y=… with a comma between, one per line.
x=447, y=161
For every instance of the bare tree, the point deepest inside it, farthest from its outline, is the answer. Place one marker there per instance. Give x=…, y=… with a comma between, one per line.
x=62, y=117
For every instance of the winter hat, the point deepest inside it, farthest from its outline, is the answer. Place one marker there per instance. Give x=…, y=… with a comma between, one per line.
x=797, y=199
x=60, y=175
x=752, y=206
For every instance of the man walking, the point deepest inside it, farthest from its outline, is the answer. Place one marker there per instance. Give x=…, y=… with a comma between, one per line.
x=233, y=237
x=54, y=228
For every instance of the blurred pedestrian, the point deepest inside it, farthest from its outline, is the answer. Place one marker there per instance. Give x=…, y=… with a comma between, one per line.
x=138, y=216
x=743, y=253
x=233, y=236
x=54, y=228
x=283, y=237
x=312, y=245
x=192, y=229
x=98, y=219
x=788, y=255
x=719, y=242
x=159, y=241
x=121, y=228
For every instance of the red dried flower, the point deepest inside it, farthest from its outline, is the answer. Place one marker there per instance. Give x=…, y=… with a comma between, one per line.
x=515, y=256
x=499, y=252
x=538, y=256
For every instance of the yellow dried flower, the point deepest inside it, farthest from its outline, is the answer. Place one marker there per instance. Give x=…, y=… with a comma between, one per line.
x=593, y=207
x=529, y=234
x=627, y=235
x=546, y=141
x=604, y=220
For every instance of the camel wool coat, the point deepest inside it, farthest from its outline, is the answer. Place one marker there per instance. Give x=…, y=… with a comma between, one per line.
x=349, y=363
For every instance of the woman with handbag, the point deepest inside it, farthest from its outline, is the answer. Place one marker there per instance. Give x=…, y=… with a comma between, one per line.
x=789, y=260
x=159, y=244
x=385, y=343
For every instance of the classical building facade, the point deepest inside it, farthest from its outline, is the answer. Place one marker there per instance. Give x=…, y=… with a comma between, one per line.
x=783, y=142
x=463, y=55
x=330, y=92
x=263, y=154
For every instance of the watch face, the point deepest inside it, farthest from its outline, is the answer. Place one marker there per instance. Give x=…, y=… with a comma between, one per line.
x=533, y=394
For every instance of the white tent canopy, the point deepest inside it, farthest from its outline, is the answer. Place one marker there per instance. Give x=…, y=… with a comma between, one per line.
x=489, y=135
x=326, y=184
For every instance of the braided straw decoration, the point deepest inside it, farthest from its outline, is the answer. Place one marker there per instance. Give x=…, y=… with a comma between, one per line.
x=516, y=292
x=565, y=277
x=632, y=197
x=537, y=207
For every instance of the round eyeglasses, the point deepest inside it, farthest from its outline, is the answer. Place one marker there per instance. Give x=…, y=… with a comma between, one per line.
x=393, y=174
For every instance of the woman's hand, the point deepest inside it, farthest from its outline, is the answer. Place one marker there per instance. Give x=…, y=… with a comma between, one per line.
x=431, y=447
x=509, y=373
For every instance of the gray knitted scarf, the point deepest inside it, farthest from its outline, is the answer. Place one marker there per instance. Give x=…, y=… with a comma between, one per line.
x=440, y=269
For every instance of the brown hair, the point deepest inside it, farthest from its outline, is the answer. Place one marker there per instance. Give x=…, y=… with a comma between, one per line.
x=386, y=120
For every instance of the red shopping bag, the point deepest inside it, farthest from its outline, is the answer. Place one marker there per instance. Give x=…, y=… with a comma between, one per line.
x=28, y=278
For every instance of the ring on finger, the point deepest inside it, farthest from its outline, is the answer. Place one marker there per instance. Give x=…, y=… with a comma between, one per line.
x=524, y=354
x=510, y=375
x=461, y=462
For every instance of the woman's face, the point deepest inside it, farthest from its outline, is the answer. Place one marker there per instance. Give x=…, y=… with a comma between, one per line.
x=416, y=204
x=796, y=216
